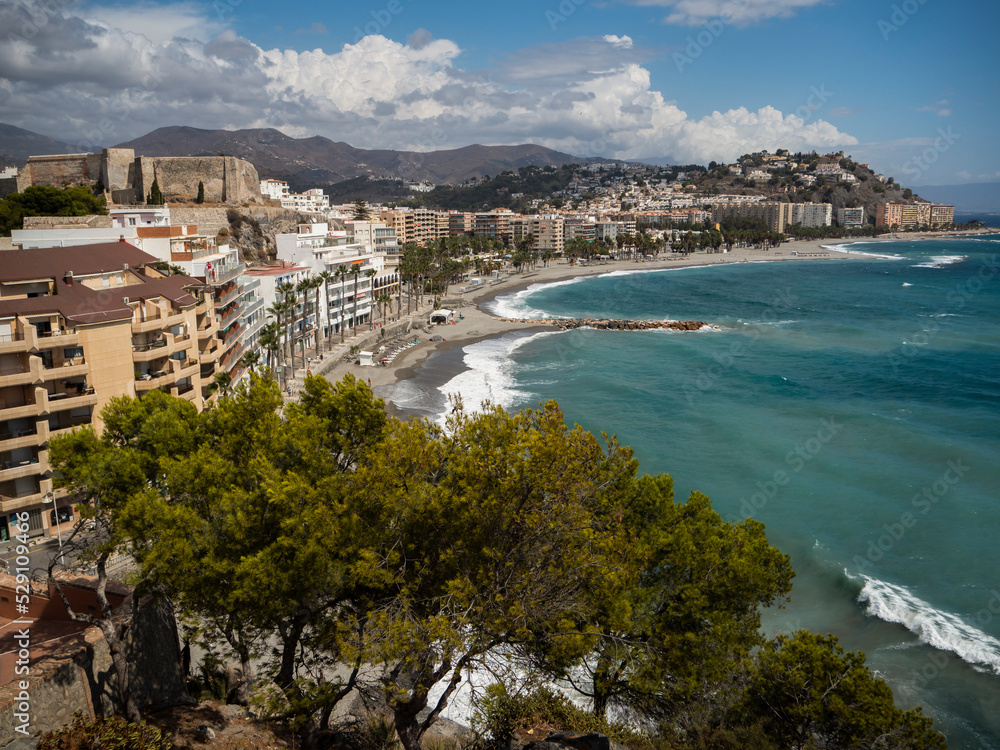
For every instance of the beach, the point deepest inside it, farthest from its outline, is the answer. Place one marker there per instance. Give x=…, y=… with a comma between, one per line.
x=476, y=324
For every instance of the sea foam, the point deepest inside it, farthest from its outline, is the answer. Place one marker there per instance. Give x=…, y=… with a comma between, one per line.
x=940, y=261
x=491, y=373
x=942, y=630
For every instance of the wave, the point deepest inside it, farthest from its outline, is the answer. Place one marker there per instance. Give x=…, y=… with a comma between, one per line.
x=942, y=630
x=841, y=249
x=491, y=373
x=907, y=283
x=940, y=261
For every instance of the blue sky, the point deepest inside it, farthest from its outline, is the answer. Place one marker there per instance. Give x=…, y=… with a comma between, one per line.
x=910, y=87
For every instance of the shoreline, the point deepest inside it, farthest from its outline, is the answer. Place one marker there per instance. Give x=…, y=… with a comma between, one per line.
x=477, y=325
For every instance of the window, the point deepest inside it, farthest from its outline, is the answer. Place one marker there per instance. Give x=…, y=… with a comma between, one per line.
x=73, y=351
x=65, y=514
x=131, y=221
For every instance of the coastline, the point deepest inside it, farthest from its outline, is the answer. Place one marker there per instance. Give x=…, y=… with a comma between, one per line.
x=477, y=325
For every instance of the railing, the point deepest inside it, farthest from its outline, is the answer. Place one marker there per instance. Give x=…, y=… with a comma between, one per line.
x=6, y=337
x=14, y=435
x=18, y=464
x=147, y=347
x=57, y=332
x=224, y=273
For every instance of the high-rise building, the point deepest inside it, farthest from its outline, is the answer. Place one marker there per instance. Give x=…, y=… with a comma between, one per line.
x=913, y=215
x=851, y=218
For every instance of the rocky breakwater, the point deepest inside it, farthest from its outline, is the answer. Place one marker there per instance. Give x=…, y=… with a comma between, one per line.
x=613, y=325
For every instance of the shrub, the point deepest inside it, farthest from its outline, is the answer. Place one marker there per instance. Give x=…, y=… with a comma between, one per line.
x=114, y=733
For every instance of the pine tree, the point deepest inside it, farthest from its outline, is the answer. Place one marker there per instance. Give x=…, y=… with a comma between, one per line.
x=201, y=192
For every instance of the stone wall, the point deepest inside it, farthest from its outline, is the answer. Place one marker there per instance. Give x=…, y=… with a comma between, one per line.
x=209, y=220
x=60, y=170
x=226, y=178
x=80, y=676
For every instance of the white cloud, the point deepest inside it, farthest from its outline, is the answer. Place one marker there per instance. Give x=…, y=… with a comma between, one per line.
x=738, y=12
x=158, y=23
x=588, y=97
x=941, y=108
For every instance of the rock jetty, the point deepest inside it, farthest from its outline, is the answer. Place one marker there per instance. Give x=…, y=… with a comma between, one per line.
x=612, y=325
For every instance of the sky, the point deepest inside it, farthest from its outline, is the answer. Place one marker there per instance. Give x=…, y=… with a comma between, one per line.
x=908, y=86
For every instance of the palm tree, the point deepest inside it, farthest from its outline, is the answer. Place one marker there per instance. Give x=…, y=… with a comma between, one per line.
x=278, y=311
x=383, y=301
x=370, y=275
x=286, y=289
x=249, y=361
x=355, y=270
x=303, y=288
x=342, y=272
x=270, y=342
x=222, y=382
x=325, y=278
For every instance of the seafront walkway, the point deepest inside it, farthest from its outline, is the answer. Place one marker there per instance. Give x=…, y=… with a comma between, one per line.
x=320, y=359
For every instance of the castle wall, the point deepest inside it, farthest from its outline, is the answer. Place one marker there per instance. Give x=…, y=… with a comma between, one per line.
x=226, y=178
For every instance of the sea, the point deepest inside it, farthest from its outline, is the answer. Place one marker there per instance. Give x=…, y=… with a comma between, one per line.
x=851, y=405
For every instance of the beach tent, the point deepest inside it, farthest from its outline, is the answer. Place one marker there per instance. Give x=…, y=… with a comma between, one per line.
x=442, y=316
x=366, y=359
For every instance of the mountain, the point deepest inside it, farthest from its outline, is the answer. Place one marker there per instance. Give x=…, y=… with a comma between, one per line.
x=317, y=161
x=969, y=198
x=18, y=144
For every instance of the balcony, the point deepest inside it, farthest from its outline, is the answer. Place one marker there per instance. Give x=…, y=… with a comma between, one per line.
x=252, y=307
x=158, y=321
x=250, y=285
x=71, y=367
x=54, y=338
x=211, y=354
x=30, y=406
x=227, y=295
x=66, y=425
x=25, y=372
x=230, y=317
x=221, y=274
x=26, y=437
x=10, y=469
x=13, y=342
x=65, y=400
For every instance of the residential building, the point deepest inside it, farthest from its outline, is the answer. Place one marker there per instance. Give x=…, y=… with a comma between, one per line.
x=78, y=327
x=495, y=223
x=811, y=214
x=274, y=189
x=237, y=303
x=313, y=201
x=776, y=215
x=914, y=215
x=851, y=218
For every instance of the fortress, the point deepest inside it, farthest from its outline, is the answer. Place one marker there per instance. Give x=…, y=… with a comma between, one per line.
x=128, y=178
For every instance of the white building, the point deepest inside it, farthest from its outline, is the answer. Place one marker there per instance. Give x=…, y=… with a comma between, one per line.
x=313, y=201
x=274, y=189
x=811, y=214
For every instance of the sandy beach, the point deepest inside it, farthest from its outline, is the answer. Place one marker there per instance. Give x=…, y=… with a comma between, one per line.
x=476, y=324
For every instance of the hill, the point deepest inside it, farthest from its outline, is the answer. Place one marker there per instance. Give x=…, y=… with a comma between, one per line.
x=318, y=161
x=17, y=144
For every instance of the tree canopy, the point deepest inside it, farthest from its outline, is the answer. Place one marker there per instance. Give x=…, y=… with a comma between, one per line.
x=48, y=201
x=333, y=549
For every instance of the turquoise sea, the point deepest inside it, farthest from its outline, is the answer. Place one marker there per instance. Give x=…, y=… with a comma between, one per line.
x=853, y=406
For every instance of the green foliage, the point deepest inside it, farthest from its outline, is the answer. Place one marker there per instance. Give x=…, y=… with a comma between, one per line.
x=377, y=732
x=48, y=201
x=201, y=192
x=809, y=692
x=107, y=733
x=324, y=532
x=360, y=210
x=155, y=197
x=501, y=716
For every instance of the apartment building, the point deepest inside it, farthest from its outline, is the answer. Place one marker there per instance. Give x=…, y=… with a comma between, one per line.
x=313, y=201
x=238, y=304
x=274, y=189
x=776, y=215
x=914, y=215
x=494, y=223
x=79, y=326
x=811, y=214
x=546, y=231
x=851, y=218
x=460, y=223
x=420, y=225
